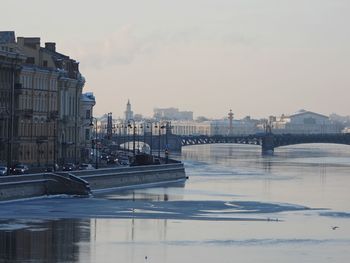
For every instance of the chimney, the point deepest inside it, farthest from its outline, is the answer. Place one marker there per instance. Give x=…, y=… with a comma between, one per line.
x=50, y=46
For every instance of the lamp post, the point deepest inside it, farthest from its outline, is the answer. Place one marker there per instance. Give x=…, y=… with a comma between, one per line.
x=48, y=123
x=139, y=127
x=160, y=126
x=54, y=144
x=133, y=135
x=10, y=125
x=6, y=118
x=121, y=128
x=91, y=125
x=151, y=141
x=117, y=135
x=142, y=129
x=127, y=134
x=166, y=152
x=151, y=146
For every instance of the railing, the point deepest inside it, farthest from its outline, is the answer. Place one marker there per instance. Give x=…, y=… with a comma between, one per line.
x=41, y=139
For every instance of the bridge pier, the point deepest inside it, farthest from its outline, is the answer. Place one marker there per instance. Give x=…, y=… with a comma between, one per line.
x=174, y=143
x=268, y=144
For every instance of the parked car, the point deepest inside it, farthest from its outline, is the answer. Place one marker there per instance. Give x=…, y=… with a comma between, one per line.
x=112, y=160
x=68, y=167
x=3, y=170
x=50, y=169
x=20, y=169
x=104, y=156
x=123, y=160
x=86, y=166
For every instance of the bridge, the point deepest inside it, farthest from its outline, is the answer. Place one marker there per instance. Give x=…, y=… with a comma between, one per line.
x=267, y=141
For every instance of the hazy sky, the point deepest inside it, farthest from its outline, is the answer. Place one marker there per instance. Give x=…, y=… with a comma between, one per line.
x=258, y=57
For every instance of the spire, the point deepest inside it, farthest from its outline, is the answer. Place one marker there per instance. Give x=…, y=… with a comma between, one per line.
x=128, y=112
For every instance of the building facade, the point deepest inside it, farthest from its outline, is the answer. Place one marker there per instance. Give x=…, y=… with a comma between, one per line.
x=47, y=93
x=10, y=61
x=245, y=126
x=87, y=103
x=223, y=127
x=172, y=114
x=190, y=128
x=304, y=122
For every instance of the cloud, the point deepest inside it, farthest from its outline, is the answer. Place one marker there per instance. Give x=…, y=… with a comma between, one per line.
x=121, y=47
x=125, y=45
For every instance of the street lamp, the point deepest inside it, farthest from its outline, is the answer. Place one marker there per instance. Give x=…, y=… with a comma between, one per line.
x=128, y=127
x=54, y=145
x=160, y=126
x=91, y=125
x=5, y=115
x=134, y=135
x=139, y=128
x=121, y=127
x=149, y=125
x=166, y=152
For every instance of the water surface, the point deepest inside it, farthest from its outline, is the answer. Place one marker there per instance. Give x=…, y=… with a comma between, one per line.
x=237, y=206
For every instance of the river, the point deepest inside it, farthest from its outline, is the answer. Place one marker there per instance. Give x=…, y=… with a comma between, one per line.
x=237, y=206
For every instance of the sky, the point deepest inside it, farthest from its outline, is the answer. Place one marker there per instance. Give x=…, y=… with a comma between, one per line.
x=256, y=57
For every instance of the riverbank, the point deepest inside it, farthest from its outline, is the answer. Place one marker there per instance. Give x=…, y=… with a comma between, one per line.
x=86, y=181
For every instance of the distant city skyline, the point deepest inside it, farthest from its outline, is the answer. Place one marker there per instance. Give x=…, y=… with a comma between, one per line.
x=255, y=57
x=129, y=106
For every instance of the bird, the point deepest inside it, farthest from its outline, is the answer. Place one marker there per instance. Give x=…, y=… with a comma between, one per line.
x=335, y=227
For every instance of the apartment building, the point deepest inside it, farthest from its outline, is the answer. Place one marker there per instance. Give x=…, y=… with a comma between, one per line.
x=47, y=90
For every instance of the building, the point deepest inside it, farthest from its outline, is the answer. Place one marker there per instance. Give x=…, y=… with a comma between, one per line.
x=190, y=128
x=172, y=114
x=47, y=91
x=10, y=61
x=304, y=122
x=87, y=102
x=245, y=126
x=128, y=113
x=223, y=127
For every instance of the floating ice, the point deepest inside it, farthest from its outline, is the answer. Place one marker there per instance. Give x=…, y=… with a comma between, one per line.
x=146, y=209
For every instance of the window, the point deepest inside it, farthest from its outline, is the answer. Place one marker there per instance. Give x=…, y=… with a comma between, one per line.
x=309, y=120
x=88, y=114
x=30, y=60
x=87, y=134
x=45, y=63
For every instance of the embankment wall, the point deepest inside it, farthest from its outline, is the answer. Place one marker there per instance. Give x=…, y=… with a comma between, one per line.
x=81, y=182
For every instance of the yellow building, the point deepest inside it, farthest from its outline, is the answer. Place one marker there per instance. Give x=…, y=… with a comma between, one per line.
x=47, y=91
x=10, y=62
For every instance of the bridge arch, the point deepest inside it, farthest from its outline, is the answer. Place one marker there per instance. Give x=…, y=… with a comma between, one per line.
x=269, y=141
x=285, y=140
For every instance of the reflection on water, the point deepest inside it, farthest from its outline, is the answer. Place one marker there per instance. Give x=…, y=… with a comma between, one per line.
x=42, y=241
x=237, y=204
x=145, y=194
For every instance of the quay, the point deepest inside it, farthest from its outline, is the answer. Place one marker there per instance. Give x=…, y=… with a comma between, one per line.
x=85, y=182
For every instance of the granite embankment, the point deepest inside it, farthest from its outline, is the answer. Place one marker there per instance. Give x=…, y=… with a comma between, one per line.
x=83, y=182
